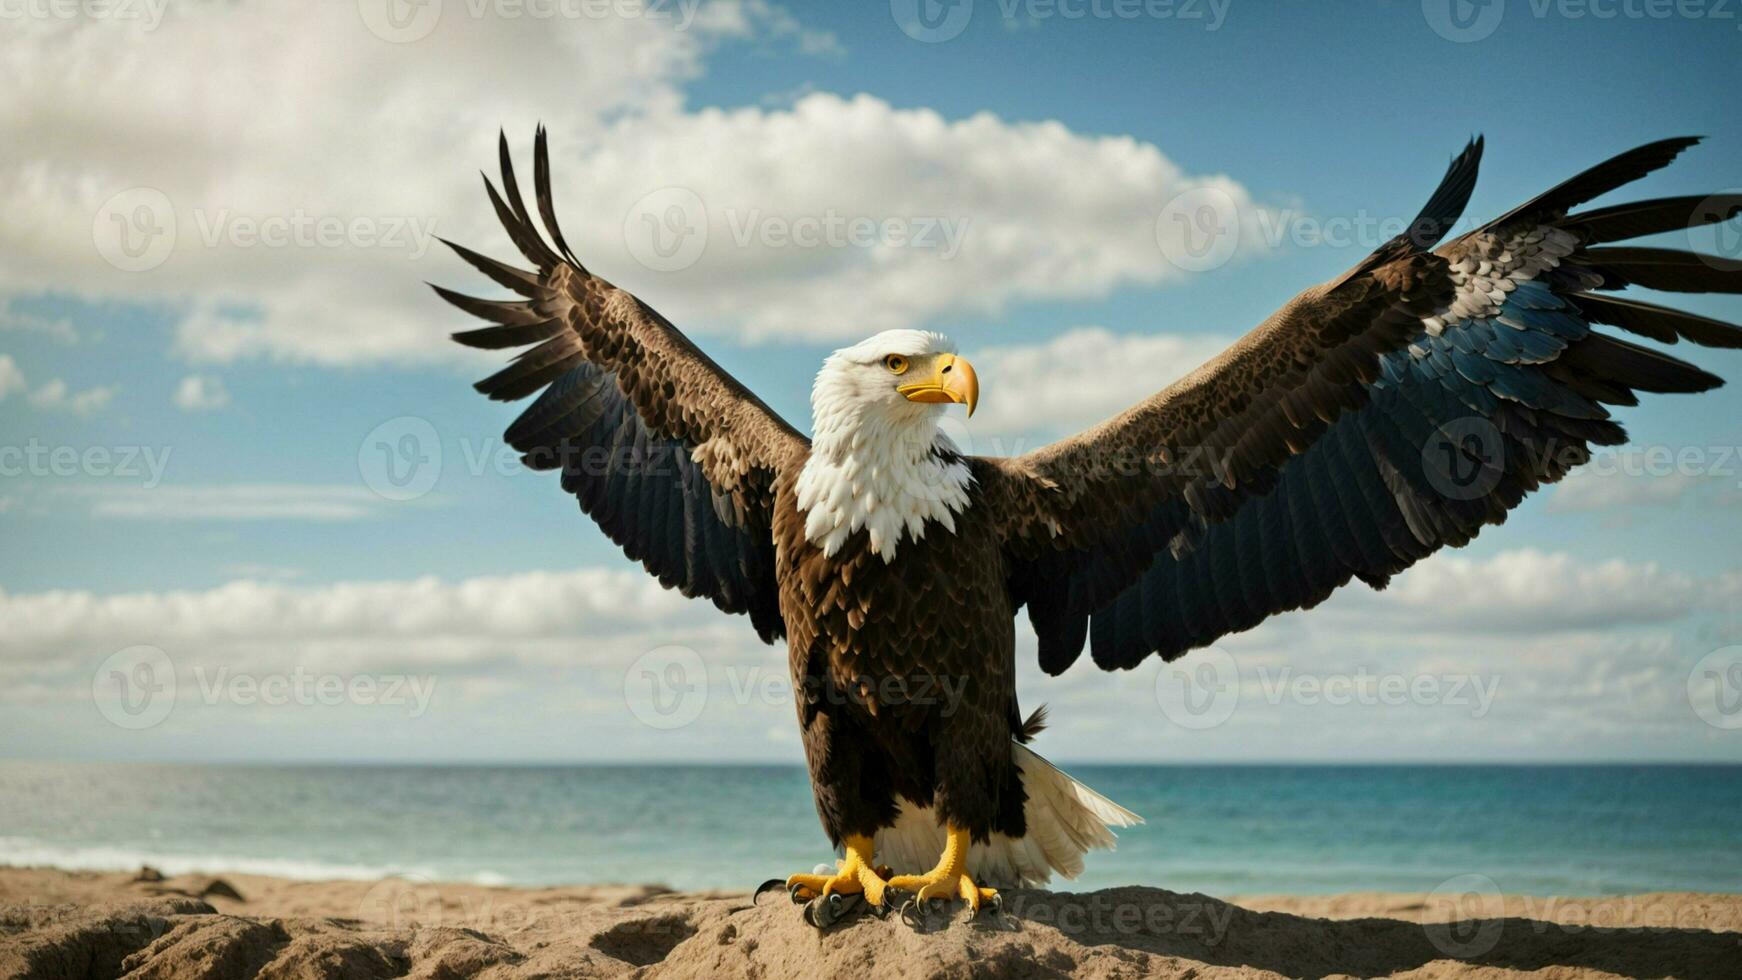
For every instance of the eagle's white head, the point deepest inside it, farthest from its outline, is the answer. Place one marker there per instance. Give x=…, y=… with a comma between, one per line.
x=877, y=459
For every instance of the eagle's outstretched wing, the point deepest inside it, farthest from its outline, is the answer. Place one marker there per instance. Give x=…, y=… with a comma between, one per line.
x=671, y=456
x=1365, y=425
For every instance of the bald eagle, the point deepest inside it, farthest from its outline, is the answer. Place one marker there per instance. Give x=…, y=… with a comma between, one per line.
x=1372, y=420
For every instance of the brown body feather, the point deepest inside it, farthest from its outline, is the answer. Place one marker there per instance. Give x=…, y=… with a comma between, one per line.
x=905, y=674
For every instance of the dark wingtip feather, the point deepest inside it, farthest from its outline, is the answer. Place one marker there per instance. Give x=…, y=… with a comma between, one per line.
x=1449, y=199
x=1623, y=168
x=528, y=231
x=1617, y=361
x=541, y=190
x=507, y=276
x=1437, y=216
x=1668, y=269
x=1637, y=219
x=1660, y=323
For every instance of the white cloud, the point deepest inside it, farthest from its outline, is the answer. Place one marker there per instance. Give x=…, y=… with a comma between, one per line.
x=1659, y=476
x=237, y=122
x=1076, y=380
x=748, y=18
x=57, y=396
x=533, y=604
x=979, y=215
x=509, y=629
x=1587, y=489
x=236, y=502
x=58, y=328
x=1531, y=591
x=553, y=651
x=201, y=393
x=1589, y=668
x=52, y=395
x=11, y=376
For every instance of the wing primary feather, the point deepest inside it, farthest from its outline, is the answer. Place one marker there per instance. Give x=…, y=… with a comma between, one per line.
x=1637, y=219
x=514, y=314
x=511, y=189
x=1667, y=269
x=1660, y=323
x=1623, y=168
x=519, y=280
x=1449, y=199
x=523, y=238
x=1437, y=216
x=1617, y=361
x=541, y=190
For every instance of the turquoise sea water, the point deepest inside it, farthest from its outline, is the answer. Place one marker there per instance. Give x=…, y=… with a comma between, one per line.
x=1218, y=829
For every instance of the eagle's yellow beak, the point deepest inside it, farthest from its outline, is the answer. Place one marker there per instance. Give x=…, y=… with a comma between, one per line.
x=953, y=380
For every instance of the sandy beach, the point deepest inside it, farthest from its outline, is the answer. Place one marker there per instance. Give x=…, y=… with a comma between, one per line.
x=67, y=924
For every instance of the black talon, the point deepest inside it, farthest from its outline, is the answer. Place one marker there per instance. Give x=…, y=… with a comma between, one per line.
x=767, y=886
x=910, y=907
x=792, y=893
x=826, y=910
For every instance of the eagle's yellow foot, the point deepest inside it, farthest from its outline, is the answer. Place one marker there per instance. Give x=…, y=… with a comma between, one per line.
x=949, y=879
x=856, y=876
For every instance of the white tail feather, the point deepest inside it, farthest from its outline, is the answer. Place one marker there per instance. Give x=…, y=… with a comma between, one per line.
x=1065, y=821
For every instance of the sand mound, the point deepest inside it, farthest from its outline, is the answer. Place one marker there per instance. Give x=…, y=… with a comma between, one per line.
x=59, y=925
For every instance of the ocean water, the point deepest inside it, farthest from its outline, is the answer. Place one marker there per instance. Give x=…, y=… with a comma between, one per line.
x=1222, y=830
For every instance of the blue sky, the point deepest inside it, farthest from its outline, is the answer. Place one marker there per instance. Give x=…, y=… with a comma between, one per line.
x=266, y=379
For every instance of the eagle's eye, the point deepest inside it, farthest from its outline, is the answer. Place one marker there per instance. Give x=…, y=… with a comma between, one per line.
x=895, y=363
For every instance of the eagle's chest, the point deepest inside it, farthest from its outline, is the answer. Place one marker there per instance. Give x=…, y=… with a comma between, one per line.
x=938, y=605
